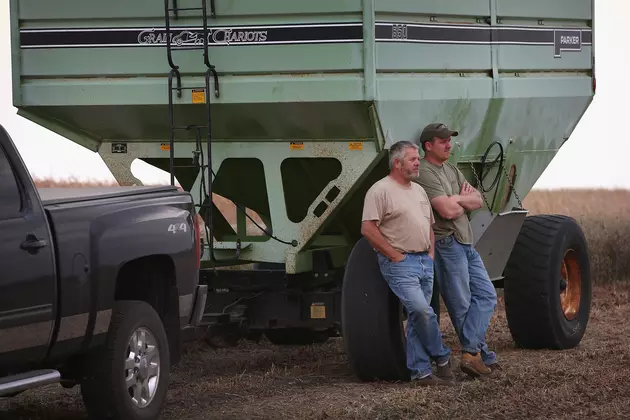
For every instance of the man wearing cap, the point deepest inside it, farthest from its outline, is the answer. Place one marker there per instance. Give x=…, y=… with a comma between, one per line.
x=461, y=277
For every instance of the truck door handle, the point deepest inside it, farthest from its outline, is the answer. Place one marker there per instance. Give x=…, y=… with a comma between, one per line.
x=32, y=244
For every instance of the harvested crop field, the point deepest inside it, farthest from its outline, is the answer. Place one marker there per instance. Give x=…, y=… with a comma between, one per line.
x=267, y=382
x=263, y=381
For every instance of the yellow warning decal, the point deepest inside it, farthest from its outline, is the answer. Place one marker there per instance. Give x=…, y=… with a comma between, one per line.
x=297, y=146
x=318, y=311
x=165, y=146
x=198, y=96
x=355, y=145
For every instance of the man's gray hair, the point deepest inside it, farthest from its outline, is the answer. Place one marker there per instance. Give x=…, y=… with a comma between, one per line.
x=398, y=149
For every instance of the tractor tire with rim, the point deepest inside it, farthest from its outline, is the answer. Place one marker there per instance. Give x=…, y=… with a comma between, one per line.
x=372, y=319
x=548, y=284
x=129, y=377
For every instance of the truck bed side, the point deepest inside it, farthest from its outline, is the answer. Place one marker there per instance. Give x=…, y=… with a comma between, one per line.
x=132, y=246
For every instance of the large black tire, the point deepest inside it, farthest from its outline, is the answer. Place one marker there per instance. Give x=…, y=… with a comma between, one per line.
x=372, y=317
x=105, y=392
x=534, y=281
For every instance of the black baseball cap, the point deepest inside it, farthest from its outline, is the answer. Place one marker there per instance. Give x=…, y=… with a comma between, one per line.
x=436, y=130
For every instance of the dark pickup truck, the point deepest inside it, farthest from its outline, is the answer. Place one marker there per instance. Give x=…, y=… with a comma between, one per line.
x=98, y=287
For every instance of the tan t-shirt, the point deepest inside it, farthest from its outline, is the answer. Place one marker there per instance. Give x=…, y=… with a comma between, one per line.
x=445, y=180
x=403, y=214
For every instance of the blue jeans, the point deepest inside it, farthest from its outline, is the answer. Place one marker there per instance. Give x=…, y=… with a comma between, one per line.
x=468, y=294
x=412, y=281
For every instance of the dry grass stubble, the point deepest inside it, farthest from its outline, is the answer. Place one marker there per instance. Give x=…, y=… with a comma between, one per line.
x=313, y=382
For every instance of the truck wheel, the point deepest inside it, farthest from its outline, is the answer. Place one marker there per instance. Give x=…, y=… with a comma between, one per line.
x=130, y=375
x=548, y=284
x=371, y=320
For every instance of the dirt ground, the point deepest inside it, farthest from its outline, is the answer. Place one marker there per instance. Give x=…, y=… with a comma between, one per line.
x=262, y=381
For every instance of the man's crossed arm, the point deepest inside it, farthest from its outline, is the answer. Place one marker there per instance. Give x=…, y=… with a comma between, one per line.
x=452, y=207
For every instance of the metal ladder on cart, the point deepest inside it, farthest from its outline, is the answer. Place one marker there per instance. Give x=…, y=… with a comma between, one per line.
x=206, y=205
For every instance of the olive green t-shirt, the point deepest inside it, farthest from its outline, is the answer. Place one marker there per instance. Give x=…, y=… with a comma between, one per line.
x=445, y=180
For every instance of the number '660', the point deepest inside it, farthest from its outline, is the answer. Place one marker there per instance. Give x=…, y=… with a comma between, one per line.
x=399, y=31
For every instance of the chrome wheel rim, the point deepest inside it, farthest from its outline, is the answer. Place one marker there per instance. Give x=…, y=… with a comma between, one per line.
x=142, y=367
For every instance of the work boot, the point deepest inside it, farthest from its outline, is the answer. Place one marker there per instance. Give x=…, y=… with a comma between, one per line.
x=444, y=371
x=431, y=380
x=472, y=365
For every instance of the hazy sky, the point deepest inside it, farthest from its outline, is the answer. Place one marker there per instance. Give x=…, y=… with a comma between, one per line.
x=49, y=155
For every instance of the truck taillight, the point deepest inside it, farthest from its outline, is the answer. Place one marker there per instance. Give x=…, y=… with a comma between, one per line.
x=197, y=232
x=198, y=244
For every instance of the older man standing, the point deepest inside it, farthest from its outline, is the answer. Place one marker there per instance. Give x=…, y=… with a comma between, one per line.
x=397, y=222
x=468, y=293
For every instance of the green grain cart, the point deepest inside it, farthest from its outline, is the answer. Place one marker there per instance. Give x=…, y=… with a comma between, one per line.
x=283, y=111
